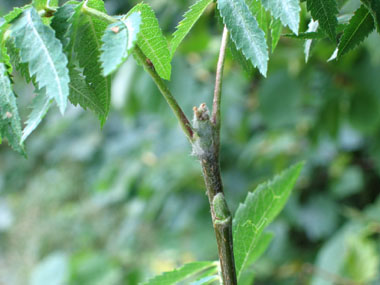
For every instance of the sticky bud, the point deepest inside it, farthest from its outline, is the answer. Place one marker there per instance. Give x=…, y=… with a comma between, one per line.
x=115, y=29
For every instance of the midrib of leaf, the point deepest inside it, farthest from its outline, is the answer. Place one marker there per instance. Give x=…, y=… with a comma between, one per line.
x=51, y=63
x=332, y=31
x=95, y=50
x=355, y=30
x=249, y=36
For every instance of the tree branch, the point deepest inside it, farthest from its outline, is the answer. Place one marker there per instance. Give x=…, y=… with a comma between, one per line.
x=218, y=84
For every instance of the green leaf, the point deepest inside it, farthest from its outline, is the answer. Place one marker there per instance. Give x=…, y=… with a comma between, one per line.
x=359, y=27
x=42, y=4
x=61, y=22
x=152, y=42
x=15, y=13
x=40, y=105
x=276, y=29
x=325, y=12
x=245, y=32
x=180, y=274
x=288, y=11
x=184, y=27
x=10, y=124
x=258, y=211
x=118, y=42
x=44, y=55
x=81, y=93
x=86, y=35
x=258, y=11
x=374, y=7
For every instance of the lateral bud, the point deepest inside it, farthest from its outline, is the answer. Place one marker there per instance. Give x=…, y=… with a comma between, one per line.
x=203, y=135
x=222, y=213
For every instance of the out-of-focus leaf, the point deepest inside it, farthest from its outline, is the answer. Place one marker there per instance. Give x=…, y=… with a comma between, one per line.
x=325, y=12
x=288, y=11
x=245, y=32
x=312, y=28
x=364, y=113
x=184, y=27
x=258, y=211
x=181, y=274
x=51, y=270
x=41, y=4
x=118, y=41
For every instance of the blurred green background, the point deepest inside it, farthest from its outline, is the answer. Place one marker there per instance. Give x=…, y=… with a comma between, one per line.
x=120, y=204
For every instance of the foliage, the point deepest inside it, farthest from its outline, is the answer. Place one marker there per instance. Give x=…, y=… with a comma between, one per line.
x=143, y=178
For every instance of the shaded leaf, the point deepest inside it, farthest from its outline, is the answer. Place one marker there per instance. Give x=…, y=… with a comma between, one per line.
x=10, y=124
x=276, y=29
x=374, y=7
x=118, y=42
x=325, y=12
x=86, y=35
x=44, y=55
x=152, y=42
x=40, y=105
x=184, y=27
x=258, y=211
x=260, y=14
x=182, y=273
x=245, y=32
x=288, y=11
x=359, y=27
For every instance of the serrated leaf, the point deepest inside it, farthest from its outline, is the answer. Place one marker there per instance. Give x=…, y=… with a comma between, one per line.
x=245, y=32
x=374, y=7
x=181, y=274
x=43, y=53
x=276, y=29
x=10, y=124
x=40, y=105
x=260, y=14
x=258, y=210
x=15, y=13
x=359, y=27
x=61, y=22
x=118, y=42
x=86, y=42
x=288, y=11
x=42, y=4
x=152, y=42
x=325, y=12
x=184, y=27
x=81, y=93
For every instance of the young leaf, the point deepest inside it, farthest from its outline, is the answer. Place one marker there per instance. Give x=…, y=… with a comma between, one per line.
x=245, y=32
x=118, y=42
x=182, y=273
x=359, y=27
x=276, y=29
x=10, y=124
x=152, y=42
x=43, y=53
x=287, y=10
x=15, y=13
x=325, y=12
x=258, y=211
x=86, y=35
x=40, y=105
x=374, y=7
x=184, y=27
